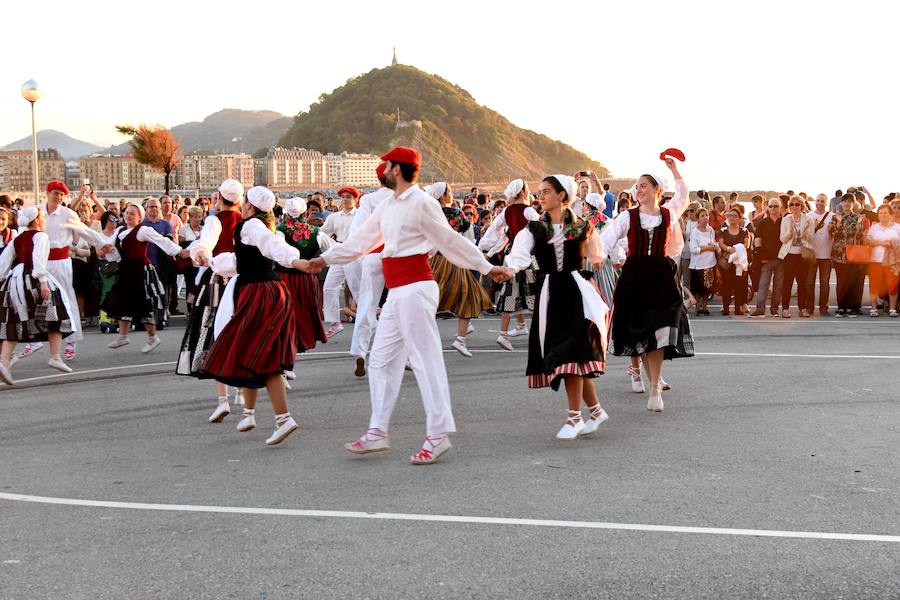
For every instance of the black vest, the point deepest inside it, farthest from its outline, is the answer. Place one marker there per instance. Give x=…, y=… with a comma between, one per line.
x=252, y=266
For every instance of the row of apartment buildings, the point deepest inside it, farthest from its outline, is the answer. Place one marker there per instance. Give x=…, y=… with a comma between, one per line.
x=281, y=169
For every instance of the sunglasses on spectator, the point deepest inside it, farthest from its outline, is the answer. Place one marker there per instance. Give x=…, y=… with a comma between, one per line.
x=795, y=204
x=774, y=205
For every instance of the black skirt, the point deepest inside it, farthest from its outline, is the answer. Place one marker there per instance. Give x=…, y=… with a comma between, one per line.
x=648, y=310
x=198, y=336
x=572, y=343
x=136, y=295
x=43, y=318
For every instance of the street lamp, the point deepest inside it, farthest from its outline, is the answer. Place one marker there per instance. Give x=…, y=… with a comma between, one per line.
x=32, y=93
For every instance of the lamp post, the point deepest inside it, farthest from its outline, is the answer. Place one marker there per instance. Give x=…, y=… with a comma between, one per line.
x=32, y=93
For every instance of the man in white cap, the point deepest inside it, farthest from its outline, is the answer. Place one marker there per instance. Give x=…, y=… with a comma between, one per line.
x=409, y=224
x=62, y=226
x=216, y=238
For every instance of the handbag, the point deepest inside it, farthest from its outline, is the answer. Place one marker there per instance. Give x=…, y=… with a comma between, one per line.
x=808, y=254
x=858, y=254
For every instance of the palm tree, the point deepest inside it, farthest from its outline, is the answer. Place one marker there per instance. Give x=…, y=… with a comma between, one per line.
x=154, y=146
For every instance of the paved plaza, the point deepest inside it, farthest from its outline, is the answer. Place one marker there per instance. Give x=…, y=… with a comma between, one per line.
x=780, y=437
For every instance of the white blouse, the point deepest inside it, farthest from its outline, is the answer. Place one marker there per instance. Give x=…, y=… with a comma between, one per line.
x=62, y=223
x=877, y=233
x=409, y=224
x=520, y=256
x=270, y=244
x=150, y=235
x=619, y=227
x=39, y=256
x=702, y=259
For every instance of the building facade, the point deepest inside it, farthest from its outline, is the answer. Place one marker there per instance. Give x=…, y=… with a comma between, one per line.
x=286, y=167
x=207, y=171
x=120, y=173
x=16, y=171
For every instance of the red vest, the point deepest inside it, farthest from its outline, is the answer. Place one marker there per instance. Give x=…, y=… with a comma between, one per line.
x=229, y=220
x=131, y=248
x=24, y=245
x=639, y=242
x=515, y=220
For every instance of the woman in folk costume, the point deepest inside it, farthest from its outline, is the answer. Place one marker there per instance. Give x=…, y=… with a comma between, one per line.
x=33, y=305
x=649, y=318
x=516, y=296
x=605, y=277
x=256, y=337
x=137, y=294
x=460, y=293
x=305, y=287
x=216, y=240
x=568, y=332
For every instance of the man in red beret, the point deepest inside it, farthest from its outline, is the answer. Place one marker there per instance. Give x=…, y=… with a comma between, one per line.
x=337, y=226
x=371, y=277
x=62, y=226
x=410, y=224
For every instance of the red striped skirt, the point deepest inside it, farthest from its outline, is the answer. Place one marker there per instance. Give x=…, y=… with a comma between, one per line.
x=307, y=305
x=259, y=341
x=585, y=369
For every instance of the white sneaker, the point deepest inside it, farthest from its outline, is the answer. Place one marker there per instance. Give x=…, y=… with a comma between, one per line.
x=290, y=375
x=569, y=431
x=655, y=402
x=517, y=331
x=287, y=427
x=664, y=384
x=504, y=342
x=637, y=383
x=152, y=344
x=593, y=423
x=59, y=365
x=247, y=423
x=30, y=349
x=222, y=410
x=5, y=375
x=460, y=347
x=119, y=342
x=470, y=329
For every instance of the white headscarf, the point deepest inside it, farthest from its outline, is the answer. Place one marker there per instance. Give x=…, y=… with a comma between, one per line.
x=661, y=181
x=232, y=190
x=140, y=209
x=437, y=190
x=27, y=215
x=295, y=207
x=568, y=184
x=596, y=200
x=514, y=188
x=261, y=197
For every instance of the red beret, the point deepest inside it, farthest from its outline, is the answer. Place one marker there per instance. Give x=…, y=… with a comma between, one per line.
x=379, y=170
x=348, y=190
x=402, y=154
x=56, y=184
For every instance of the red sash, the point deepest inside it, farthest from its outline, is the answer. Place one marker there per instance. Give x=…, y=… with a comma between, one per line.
x=406, y=270
x=59, y=253
x=377, y=250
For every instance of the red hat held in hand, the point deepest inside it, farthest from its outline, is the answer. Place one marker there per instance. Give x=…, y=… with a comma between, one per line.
x=349, y=190
x=403, y=154
x=673, y=152
x=56, y=184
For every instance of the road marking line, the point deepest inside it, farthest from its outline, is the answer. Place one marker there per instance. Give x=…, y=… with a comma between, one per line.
x=341, y=514
x=104, y=369
x=774, y=355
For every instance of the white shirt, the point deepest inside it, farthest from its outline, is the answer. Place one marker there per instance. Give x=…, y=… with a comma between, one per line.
x=150, y=235
x=338, y=224
x=63, y=222
x=689, y=227
x=367, y=205
x=519, y=256
x=113, y=255
x=877, y=233
x=491, y=240
x=209, y=236
x=39, y=256
x=704, y=259
x=822, y=240
x=618, y=229
x=409, y=224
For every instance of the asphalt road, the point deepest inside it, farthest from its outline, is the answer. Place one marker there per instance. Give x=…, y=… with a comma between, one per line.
x=761, y=432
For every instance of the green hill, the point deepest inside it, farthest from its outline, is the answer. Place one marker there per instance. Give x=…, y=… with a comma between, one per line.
x=461, y=141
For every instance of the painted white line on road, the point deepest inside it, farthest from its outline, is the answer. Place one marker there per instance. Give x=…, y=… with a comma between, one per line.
x=341, y=514
x=103, y=370
x=774, y=355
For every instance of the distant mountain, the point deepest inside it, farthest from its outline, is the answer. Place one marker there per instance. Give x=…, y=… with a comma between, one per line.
x=460, y=140
x=68, y=146
x=229, y=130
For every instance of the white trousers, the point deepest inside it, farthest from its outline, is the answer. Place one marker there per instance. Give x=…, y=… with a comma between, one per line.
x=331, y=293
x=407, y=330
x=62, y=271
x=371, y=286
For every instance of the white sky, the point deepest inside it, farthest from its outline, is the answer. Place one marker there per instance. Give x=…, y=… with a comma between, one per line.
x=766, y=94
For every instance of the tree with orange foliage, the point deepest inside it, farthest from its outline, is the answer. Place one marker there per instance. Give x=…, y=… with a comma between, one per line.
x=154, y=146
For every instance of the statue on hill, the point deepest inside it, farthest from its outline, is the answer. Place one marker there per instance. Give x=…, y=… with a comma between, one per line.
x=394, y=60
